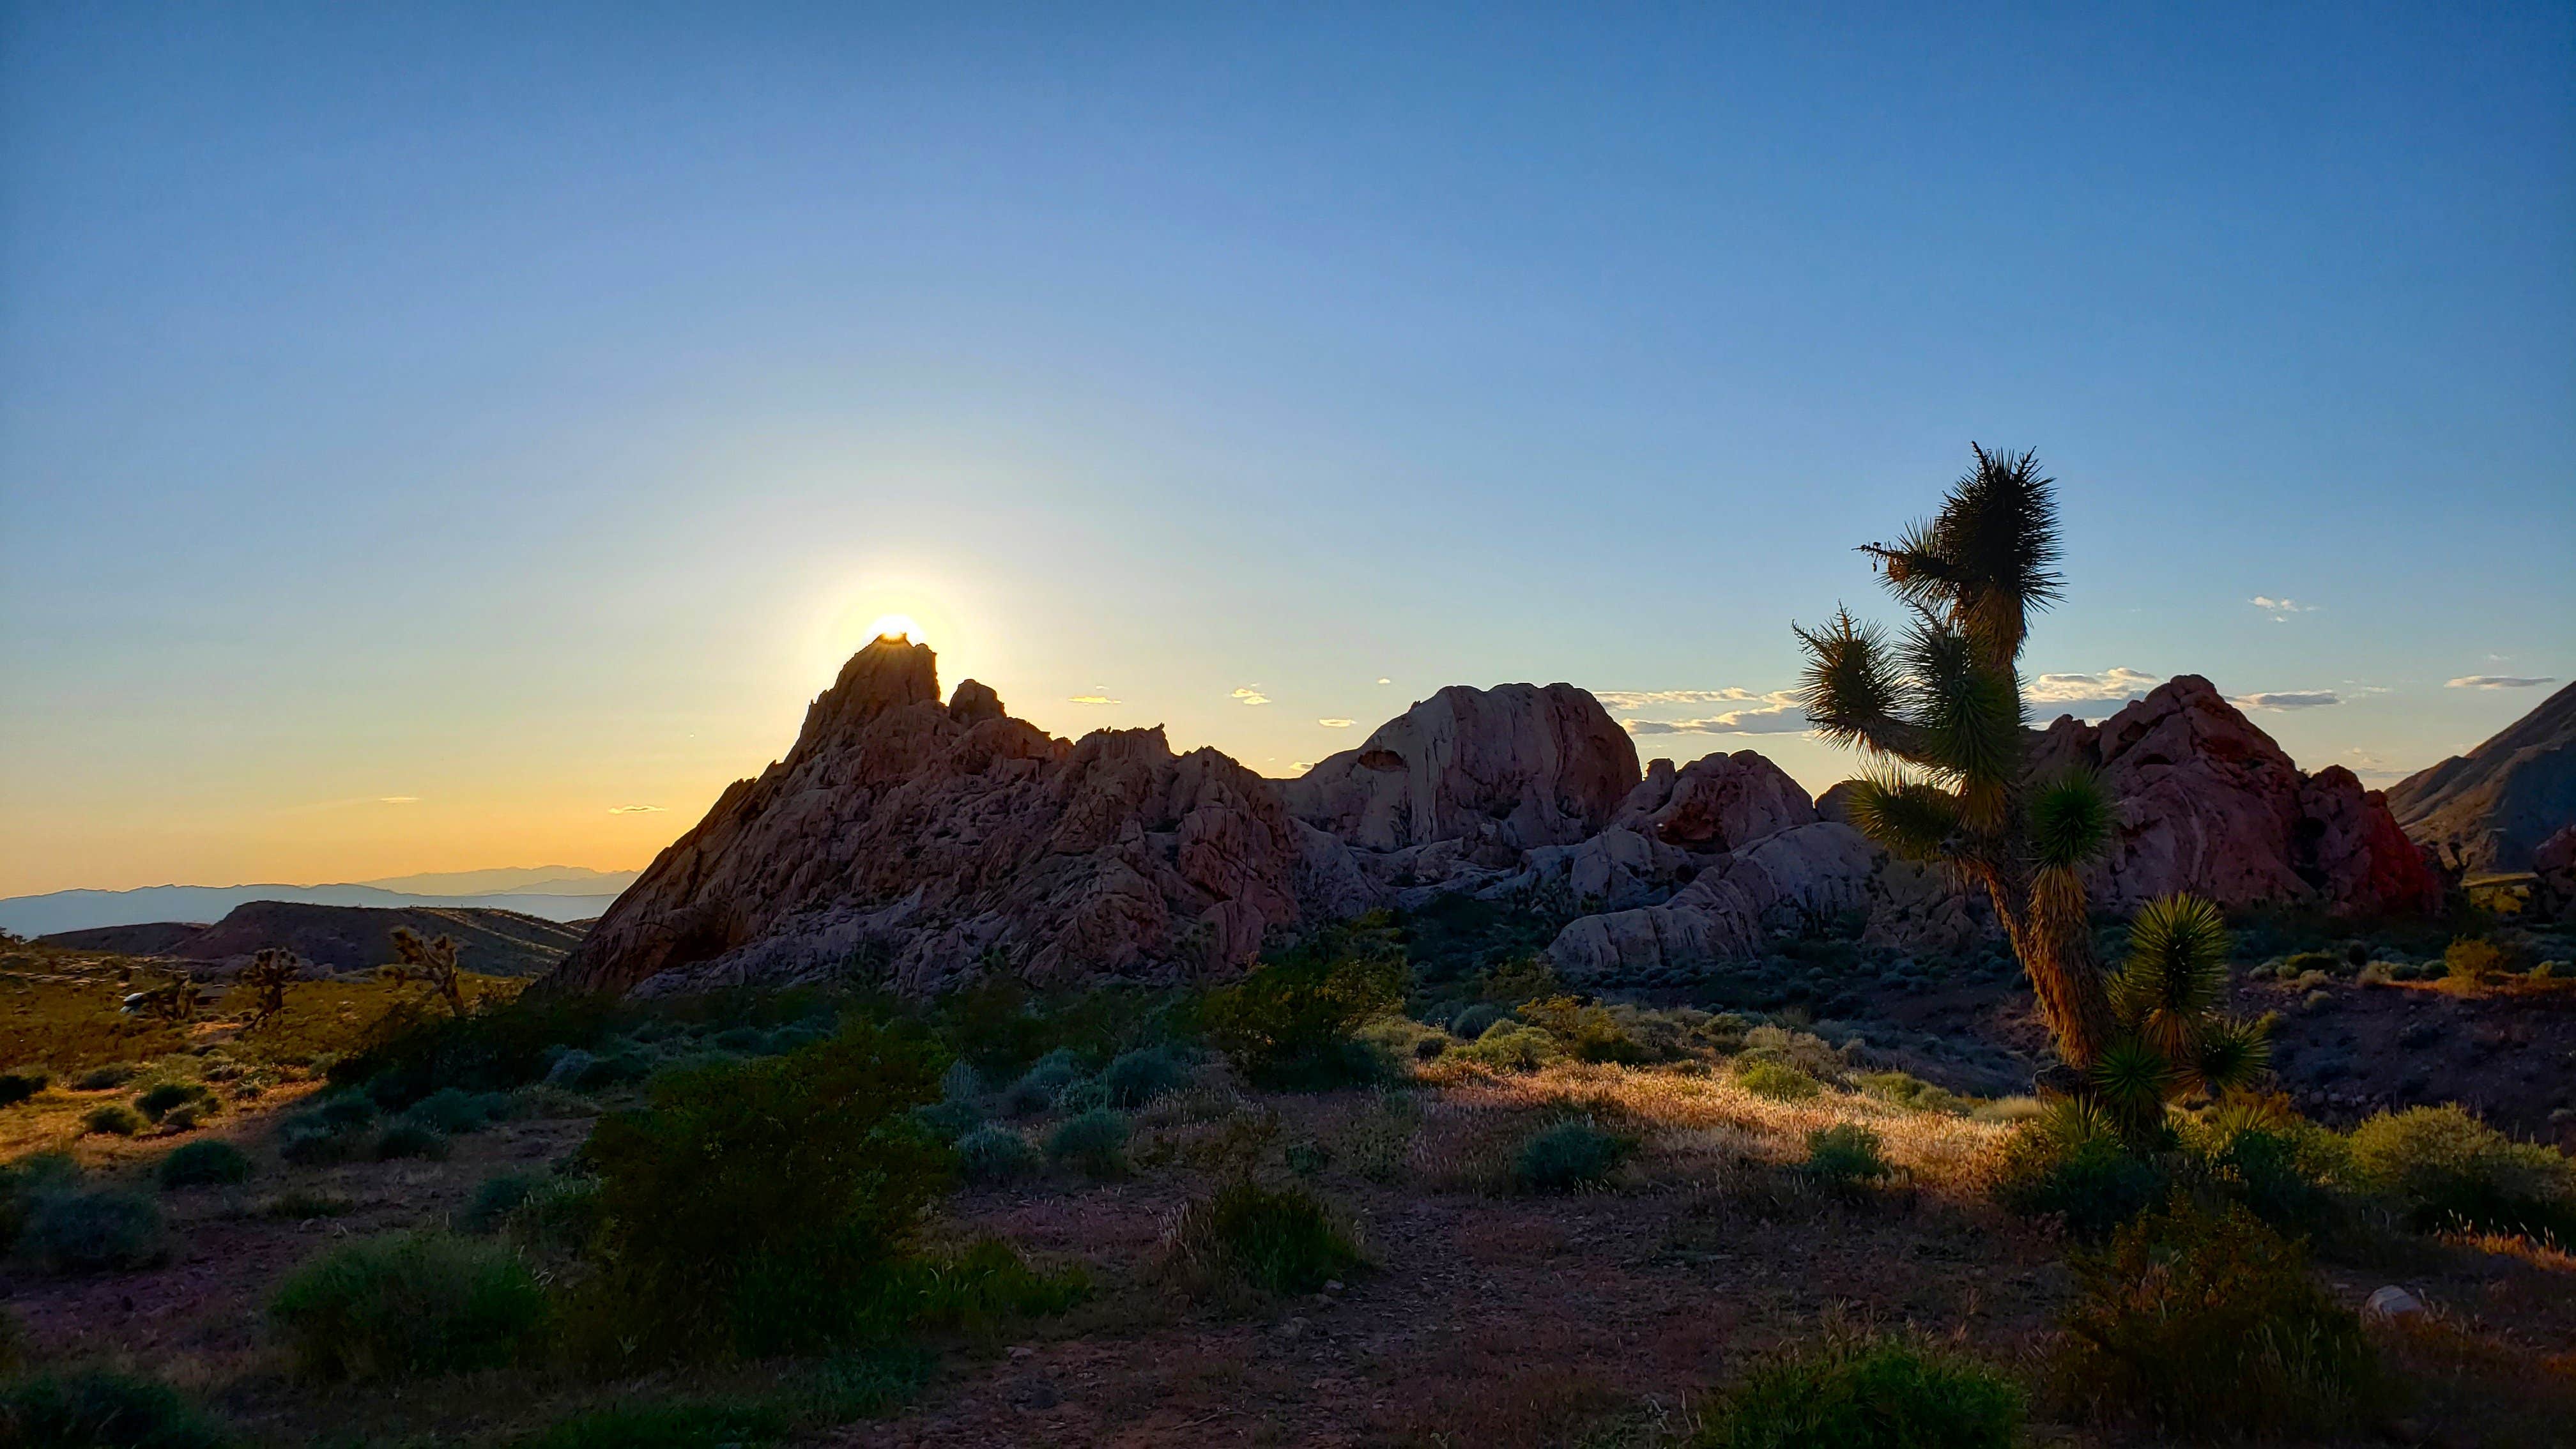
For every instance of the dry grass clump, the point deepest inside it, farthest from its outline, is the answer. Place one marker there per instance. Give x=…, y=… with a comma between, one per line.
x=1692, y=1127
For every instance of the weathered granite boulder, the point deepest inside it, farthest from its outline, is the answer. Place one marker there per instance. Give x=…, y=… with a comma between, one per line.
x=1715, y=803
x=1782, y=882
x=1510, y=767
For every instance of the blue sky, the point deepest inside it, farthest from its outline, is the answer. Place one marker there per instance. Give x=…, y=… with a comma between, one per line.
x=427, y=432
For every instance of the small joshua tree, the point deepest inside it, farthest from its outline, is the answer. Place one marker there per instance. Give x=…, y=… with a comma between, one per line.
x=2172, y=1041
x=430, y=962
x=267, y=977
x=1940, y=712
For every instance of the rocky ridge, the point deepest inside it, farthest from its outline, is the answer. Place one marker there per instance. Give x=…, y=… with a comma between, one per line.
x=919, y=842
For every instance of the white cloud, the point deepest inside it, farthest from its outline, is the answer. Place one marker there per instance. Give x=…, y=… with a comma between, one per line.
x=1337, y=724
x=2110, y=687
x=1251, y=694
x=2496, y=681
x=635, y=809
x=1780, y=712
x=2280, y=609
x=1300, y=766
x=398, y=799
x=2288, y=699
x=1648, y=698
x=1383, y=680
x=1092, y=699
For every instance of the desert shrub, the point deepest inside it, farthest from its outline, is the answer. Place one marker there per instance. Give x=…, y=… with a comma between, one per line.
x=559, y=1215
x=2277, y=1165
x=305, y=1205
x=1568, y=1155
x=1510, y=1046
x=1846, y=1154
x=407, y=1138
x=2071, y=1163
x=1087, y=1095
x=986, y=1282
x=851, y=1386
x=1282, y=1240
x=2474, y=960
x=1912, y=1092
x=24, y=1181
x=107, y=1077
x=995, y=1155
x=410, y=1303
x=494, y=1046
x=18, y=1086
x=112, y=1119
x=2447, y=1171
x=1404, y=1039
x=494, y=1200
x=761, y=1207
x=2205, y=1322
x=948, y=1121
x=454, y=1110
x=1478, y=1018
x=1780, y=1081
x=75, y=1230
x=1586, y=1033
x=1095, y=1142
x=1136, y=1077
x=1287, y=1025
x=159, y=1100
x=1378, y=1143
x=1036, y=1089
x=1868, y=1393
x=961, y=1083
x=96, y=1409
x=204, y=1164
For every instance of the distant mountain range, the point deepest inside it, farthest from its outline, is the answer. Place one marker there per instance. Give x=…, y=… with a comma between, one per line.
x=2485, y=810
x=342, y=938
x=554, y=892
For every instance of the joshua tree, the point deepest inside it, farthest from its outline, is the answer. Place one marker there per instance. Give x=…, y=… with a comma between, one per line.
x=2172, y=1040
x=267, y=977
x=431, y=962
x=1940, y=711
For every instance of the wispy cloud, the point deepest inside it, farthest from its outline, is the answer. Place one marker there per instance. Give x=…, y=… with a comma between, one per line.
x=2496, y=681
x=2280, y=609
x=398, y=799
x=1652, y=698
x=636, y=809
x=2371, y=767
x=1337, y=724
x=1384, y=680
x=2288, y=699
x=1780, y=712
x=2111, y=686
x=1092, y=699
x=1251, y=694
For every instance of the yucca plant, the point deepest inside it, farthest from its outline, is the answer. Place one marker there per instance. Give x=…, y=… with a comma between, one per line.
x=1940, y=711
x=2174, y=1040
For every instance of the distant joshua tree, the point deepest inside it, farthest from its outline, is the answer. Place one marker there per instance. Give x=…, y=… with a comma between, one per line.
x=1940, y=710
x=430, y=962
x=267, y=977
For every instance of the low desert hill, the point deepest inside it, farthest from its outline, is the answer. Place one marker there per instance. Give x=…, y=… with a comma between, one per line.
x=2487, y=810
x=343, y=938
x=562, y=898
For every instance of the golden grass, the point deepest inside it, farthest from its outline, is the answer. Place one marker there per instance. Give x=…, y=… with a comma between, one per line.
x=1697, y=1126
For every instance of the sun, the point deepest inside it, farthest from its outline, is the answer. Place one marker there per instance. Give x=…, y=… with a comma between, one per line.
x=895, y=626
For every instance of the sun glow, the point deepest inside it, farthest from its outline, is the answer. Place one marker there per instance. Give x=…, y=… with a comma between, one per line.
x=896, y=626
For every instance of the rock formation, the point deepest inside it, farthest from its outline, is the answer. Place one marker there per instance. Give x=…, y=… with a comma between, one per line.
x=2488, y=810
x=918, y=843
x=2207, y=803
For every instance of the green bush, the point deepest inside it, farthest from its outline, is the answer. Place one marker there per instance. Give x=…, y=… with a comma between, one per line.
x=1777, y=1080
x=334, y=1129
x=2447, y=1171
x=1280, y=1241
x=1868, y=1393
x=1287, y=1025
x=836, y=1392
x=411, y=1303
x=204, y=1164
x=107, y=1077
x=26, y=1180
x=1095, y=1142
x=948, y=1121
x=2279, y=1167
x=1586, y=1033
x=762, y=1207
x=1137, y=1077
x=453, y=1110
x=1477, y=1019
x=158, y=1101
x=113, y=1119
x=1510, y=1046
x=96, y=1409
x=493, y=1202
x=2474, y=961
x=1568, y=1155
x=995, y=1155
x=2070, y=1163
x=2204, y=1322
x=1846, y=1154
x=1912, y=1092
x=415, y=1051
x=75, y=1230
x=18, y=1086
x=1036, y=1089
x=411, y=1139
x=559, y=1215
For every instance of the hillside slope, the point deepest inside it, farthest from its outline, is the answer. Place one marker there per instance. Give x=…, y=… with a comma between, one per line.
x=343, y=938
x=2486, y=810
